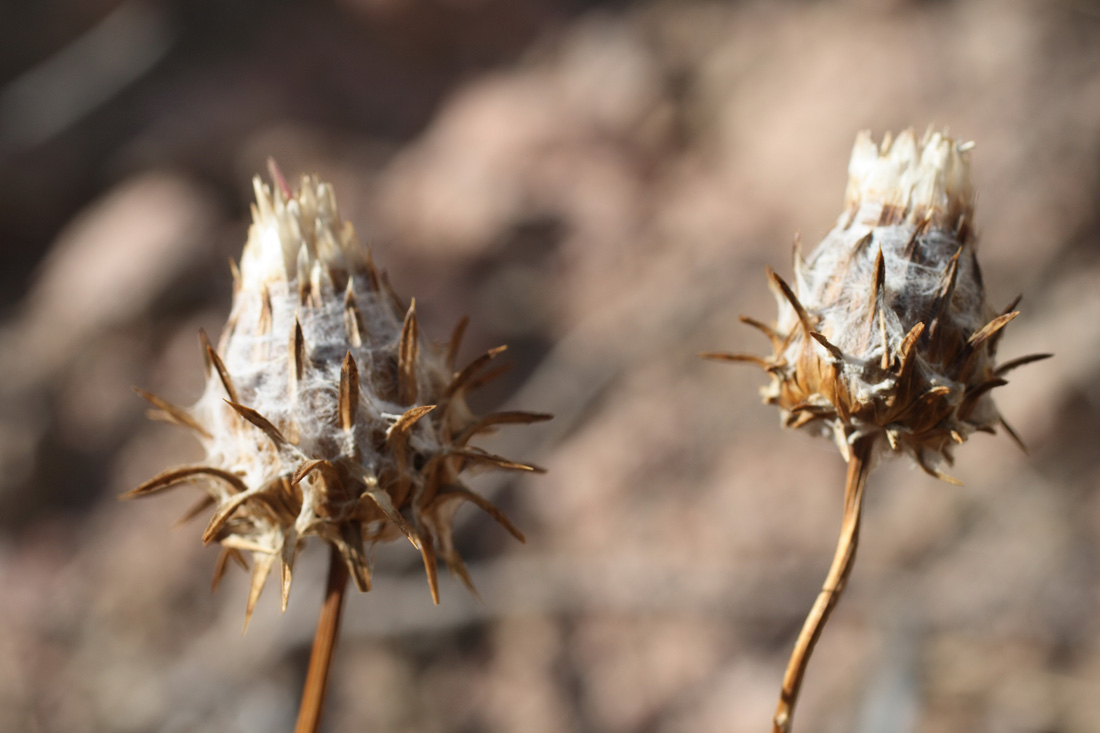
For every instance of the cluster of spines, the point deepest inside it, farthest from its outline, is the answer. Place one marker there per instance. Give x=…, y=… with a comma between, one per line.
x=913, y=413
x=350, y=498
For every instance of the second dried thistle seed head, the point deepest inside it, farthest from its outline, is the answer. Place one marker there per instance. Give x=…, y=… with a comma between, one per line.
x=886, y=330
x=325, y=413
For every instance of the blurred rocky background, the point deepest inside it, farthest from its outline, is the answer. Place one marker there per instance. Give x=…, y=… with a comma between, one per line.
x=598, y=185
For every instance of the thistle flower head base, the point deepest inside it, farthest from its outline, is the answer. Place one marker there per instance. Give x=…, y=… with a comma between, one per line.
x=886, y=331
x=325, y=413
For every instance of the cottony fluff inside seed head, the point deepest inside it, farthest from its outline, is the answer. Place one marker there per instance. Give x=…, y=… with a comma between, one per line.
x=886, y=330
x=325, y=413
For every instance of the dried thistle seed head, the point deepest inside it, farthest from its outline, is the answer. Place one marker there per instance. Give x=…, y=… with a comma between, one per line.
x=325, y=413
x=886, y=330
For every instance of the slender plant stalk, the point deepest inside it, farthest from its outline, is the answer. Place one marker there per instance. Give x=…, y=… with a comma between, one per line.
x=324, y=644
x=843, y=560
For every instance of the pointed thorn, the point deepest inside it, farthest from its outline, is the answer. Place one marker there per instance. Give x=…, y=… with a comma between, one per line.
x=259, y=421
x=911, y=245
x=382, y=500
x=489, y=508
x=372, y=270
x=865, y=240
x=796, y=419
x=935, y=472
x=974, y=393
x=878, y=285
x=397, y=436
x=240, y=543
x=948, y=478
x=221, y=516
x=349, y=545
x=487, y=376
x=196, y=509
x=220, y=567
x=263, y=325
x=204, y=345
x=946, y=289
x=219, y=366
x=456, y=342
x=788, y=294
x=961, y=226
x=308, y=467
x=1015, y=436
x=500, y=418
x=285, y=584
x=739, y=358
x=463, y=378
x=835, y=352
x=987, y=334
x=170, y=478
x=405, y=423
x=907, y=351
x=407, y=353
x=349, y=392
x=353, y=318
x=260, y=571
x=173, y=413
x=238, y=558
x=458, y=569
x=236, y=273
x=776, y=340
x=480, y=456
x=988, y=330
x=298, y=355
x=427, y=552
x=1008, y=366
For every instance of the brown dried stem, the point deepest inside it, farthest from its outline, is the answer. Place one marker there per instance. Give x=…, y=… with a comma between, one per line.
x=843, y=560
x=324, y=644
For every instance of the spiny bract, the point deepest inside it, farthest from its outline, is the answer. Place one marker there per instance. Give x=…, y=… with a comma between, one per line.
x=887, y=331
x=325, y=414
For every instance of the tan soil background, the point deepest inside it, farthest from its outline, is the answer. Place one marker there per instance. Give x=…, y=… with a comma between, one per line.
x=600, y=187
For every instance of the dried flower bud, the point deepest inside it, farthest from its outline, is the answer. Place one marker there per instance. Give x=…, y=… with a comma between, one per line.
x=325, y=414
x=887, y=330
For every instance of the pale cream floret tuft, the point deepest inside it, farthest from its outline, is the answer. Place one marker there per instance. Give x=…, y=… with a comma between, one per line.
x=289, y=236
x=913, y=179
